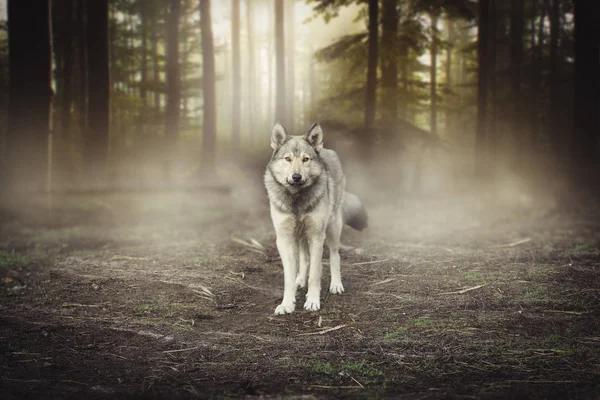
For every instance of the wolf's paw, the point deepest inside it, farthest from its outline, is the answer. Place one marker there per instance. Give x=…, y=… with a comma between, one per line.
x=285, y=309
x=312, y=305
x=336, y=288
x=301, y=281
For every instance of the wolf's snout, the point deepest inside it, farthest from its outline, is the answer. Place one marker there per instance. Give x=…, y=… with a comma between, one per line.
x=296, y=177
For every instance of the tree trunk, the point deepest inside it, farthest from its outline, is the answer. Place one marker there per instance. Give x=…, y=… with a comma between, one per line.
x=67, y=94
x=30, y=93
x=371, y=89
x=236, y=112
x=99, y=92
x=144, y=55
x=517, y=30
x=155, y=65
x=291, y=62
x=482, y=88
x=253, y=108
x=209, y=122
x=492, y=137
x=433, y=73
x=555, y=129
x=449, y=71
x=280, y=99
x=389, y=60
x=173, y=87
x=586, y=127
x=83, y=67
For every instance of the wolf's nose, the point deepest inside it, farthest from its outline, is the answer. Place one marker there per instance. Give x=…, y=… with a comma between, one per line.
x=297, y=177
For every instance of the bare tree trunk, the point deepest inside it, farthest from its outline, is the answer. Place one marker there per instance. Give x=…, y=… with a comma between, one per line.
x=555, y=130
x=482, y=88
x=155, y=65
x=371, y=89
x=99, y=92
x=209, y=124
x=492, y=137
x=67, y=95
x=83, y=67
x=30, y=93
x=389, y=59
x=586, y=127
x=517, y=28
x=449, y=71
x=173, y=87
x=253, y=108
x=291, y=62
x=280, y=99
x=237, y=75
x=144, y=55
x=433, y=73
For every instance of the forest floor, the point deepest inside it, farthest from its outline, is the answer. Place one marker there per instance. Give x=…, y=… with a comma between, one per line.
x=172, y=296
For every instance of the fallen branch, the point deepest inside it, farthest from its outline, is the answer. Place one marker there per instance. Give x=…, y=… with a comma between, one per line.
x=253, y=244
x=179, y=350
x=370, y=262
x=566, y=312
x=513, y=244
x=464, y=290
x=384, y=281
x=121, y=258
x=335, y=387
x=335, y=328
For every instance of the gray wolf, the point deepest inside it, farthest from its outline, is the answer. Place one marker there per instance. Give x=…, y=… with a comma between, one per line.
x=306, y=189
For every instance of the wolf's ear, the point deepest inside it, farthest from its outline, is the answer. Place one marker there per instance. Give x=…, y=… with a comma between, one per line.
x=278, y=136
x=314, y=136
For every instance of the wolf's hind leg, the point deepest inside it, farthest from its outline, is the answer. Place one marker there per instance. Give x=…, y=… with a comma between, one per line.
x=304, y=262
x=333, y=234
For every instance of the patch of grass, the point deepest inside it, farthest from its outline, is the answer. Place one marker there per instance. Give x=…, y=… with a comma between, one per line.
x=556, y=341
x=472, y=276
x=422, y=322
x=534, y=293
x=10, y=260
x=147, y=308
x=363, y=369
x=318, y=367
x=579, y=247
x=399, y=331
x=48, y=299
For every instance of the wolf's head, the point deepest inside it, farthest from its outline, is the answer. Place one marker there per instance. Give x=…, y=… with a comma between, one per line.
x=295, y=163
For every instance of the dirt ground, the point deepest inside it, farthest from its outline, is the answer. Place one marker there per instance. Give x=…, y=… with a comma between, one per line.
x=172, y=296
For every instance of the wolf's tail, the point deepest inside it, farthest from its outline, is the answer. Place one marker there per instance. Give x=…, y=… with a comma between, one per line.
x=354, y=212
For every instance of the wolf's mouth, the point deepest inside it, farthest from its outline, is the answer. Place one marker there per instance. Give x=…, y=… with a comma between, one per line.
x=296, y=184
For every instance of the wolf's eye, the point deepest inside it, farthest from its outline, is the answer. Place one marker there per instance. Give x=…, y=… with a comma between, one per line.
x=288, y=159
x=305, y=159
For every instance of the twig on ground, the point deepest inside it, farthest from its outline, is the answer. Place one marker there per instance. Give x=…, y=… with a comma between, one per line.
x=335, y=387
x=384, y=281
x=464, y=290
x=567, y=312
x=179, y=350
x=79, y=305
x=253, y=244
x=513, y=244
x=335, y=328
x=370, y=262
x=123, y=258
x=359, y=384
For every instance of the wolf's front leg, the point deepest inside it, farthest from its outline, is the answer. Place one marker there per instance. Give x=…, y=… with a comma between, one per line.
x=288, y=250
x=315, y=251
x=304, y=262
